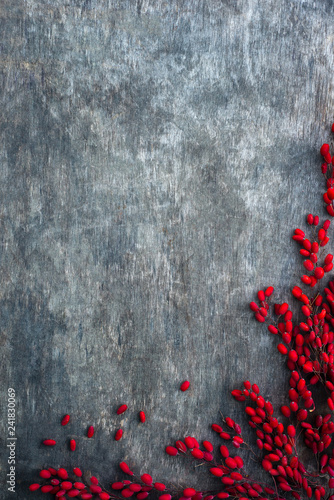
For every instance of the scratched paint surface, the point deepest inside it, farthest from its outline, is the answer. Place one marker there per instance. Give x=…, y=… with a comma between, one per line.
x=155, y=157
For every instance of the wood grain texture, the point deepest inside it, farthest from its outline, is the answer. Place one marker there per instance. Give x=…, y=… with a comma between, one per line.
x=155, y=158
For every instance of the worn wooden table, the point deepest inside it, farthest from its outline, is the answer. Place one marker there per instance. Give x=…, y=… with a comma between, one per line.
x=155, y=158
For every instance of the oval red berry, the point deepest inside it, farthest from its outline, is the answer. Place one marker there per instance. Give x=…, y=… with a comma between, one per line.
x=118, y=434
x=49, y=442
x=90, y=432
x=185, y=386
x=121, y=409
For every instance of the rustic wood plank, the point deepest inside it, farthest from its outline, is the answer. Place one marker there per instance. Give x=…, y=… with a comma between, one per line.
x=155, y=158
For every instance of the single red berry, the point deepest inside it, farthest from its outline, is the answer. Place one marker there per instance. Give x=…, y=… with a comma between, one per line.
x=185, y=386
x=189, y=492
x=208, y=446
x=104, y=495
x=142, y=417
x=121, y=409
x=73, y=445
x=196, y=453
x=90, y=432
x=286, y=411
x=62, y=473
x=216, y=471
x=65, y=420
x=45, y=474
x=34, y=487
x=49, y=442
x=66, y=485
x=79, y=486
x=125, y=468
x=308, y=264
x=319, y=273
x=324, y=149
x=260, y=318
x=189, y=441
x=159, y=486
x=171, y=450
x=118, y=434
x=77, y=471
x=46, y=488
x=282, y=349
x=147, y=479
x=216, y=427
x=181, y=446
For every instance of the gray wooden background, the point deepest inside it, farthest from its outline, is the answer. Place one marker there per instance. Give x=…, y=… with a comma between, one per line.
x=155, y=157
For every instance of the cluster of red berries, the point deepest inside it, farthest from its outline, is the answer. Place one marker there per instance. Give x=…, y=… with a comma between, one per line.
x=62, y=486
x=327, y=169
x=308, y=346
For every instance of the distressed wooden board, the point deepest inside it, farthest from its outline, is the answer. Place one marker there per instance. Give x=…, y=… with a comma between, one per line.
x=155, y=158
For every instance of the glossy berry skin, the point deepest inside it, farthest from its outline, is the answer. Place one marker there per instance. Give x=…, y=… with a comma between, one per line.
x=185, y=386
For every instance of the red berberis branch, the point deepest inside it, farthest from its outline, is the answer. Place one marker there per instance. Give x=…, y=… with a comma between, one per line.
x=308, y=346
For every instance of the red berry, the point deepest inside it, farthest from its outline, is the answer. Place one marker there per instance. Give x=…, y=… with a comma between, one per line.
x=125, y=468
x=62, y=473
x=216, y=471
x=142, y=417
x=90, y=432
x=147, y=479
x=159, y=486
x=45, y=474
x=319, y=273
x=34, y=487
x=66, y=485
x=73, y=444
x=118, y=434
x=196, y=453
x=77, y=472
x=231, y=463
x=259, y=317
x=286, y=411
x=254, y=307
x=104, y=495
x=308, y=264
x=208, y=446
x=49, y=442
x=121, y=409
x=324, y=149
x=185, y=386
x=189, y=492
x=46, y=488
x=283, y=308
x=172, y=451
x=65, y=420
x=282, y=349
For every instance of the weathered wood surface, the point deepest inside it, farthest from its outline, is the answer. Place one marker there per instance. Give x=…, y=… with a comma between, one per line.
x=155, y=158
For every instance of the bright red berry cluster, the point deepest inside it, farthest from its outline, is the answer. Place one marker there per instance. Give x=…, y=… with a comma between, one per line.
x=308, y=346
